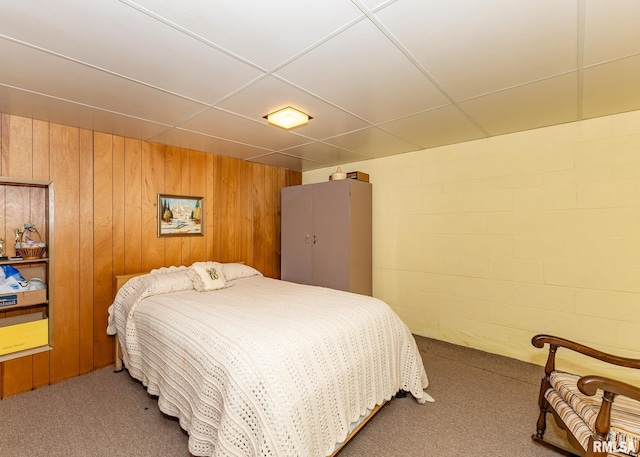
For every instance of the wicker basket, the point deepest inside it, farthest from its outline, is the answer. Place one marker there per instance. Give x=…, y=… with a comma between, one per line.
x=30, y=252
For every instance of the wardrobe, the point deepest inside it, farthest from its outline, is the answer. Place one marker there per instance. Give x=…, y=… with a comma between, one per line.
x=326, y=237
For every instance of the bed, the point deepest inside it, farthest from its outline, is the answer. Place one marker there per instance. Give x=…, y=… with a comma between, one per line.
x=258, y=366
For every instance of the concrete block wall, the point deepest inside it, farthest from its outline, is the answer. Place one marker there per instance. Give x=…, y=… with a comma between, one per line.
x=489, y=242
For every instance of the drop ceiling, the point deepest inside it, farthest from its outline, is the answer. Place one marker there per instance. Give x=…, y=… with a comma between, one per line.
x=378, y=77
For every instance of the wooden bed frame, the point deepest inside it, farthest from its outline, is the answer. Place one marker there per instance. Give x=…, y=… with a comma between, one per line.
x=122, y=279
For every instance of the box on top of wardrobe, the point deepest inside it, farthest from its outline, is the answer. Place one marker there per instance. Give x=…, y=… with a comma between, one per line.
x=339, y=175
x=360, y=176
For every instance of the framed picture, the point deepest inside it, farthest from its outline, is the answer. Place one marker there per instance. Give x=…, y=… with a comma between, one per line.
x=179, y=215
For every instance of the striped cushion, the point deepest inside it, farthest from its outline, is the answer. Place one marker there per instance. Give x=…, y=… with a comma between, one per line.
x=574, y=422
x=579, y=411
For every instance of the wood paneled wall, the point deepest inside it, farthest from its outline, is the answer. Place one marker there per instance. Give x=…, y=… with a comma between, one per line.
x=105, y=210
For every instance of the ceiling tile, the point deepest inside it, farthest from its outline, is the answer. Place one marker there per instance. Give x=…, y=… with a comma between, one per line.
x=271, y=94
x=286, y=161
x=372, y=142
x=481, y=46
x=434, y=128
x=612, y=88
x=323, y=153
x=114, y=37
x=266, y=33
x=363, y=72
x=198, y=142
x=36, y=106
x=22, y=67
x=539, y=104
x=612, y=30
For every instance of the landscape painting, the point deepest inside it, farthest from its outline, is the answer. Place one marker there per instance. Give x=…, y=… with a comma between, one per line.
x=179, y=215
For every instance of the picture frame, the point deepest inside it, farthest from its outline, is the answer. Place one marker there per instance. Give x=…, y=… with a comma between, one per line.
x=180, y=215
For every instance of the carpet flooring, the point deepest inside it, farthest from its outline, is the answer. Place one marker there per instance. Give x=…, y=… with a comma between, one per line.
x=485, y=406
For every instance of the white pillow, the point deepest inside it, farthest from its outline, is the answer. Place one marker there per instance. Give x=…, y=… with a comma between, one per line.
x=207, y=276
x=170, y=269
x=238, y=270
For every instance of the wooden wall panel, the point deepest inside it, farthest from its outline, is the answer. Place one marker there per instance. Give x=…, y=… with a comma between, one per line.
x=19, y=159
x=106, y=190
x=258, y=208
x=64, y=147
x=132, y=199
x=271, y=203
x=118, y=209
x=216, y=209
x=41, y=150
x=275, y=194
x=85, y=229
x=243, y=211
x=197, y=187
x=103, y=275
x=153, y=255
x=227, y=214
x=209, y=197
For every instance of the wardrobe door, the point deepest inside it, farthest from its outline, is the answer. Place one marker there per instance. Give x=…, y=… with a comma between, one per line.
x=296, y=243
x=331, y=234
x=360, y=214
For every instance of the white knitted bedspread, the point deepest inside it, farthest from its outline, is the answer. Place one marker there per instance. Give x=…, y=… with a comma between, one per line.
x=264, y=367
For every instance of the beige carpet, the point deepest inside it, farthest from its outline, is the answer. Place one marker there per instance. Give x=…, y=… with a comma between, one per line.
x=485, y=406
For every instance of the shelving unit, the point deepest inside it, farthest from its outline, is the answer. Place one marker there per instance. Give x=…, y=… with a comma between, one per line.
x=26, y=318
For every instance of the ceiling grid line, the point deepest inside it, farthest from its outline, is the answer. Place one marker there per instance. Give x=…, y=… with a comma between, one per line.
x=189, y=33
x=387, y=33
x=95, y=67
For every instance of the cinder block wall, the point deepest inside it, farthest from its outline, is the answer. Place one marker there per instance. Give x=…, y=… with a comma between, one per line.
x=489, y=242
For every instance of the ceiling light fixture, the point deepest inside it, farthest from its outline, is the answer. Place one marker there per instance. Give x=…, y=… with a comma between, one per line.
x=288, y=118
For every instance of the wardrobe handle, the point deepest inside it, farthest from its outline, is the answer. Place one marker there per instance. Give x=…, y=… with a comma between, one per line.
x=306, y=239
x=314, y=239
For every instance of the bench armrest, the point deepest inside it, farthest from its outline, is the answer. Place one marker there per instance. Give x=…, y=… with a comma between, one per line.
x=611, y=388
x=555, y=342
x=588, y=385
